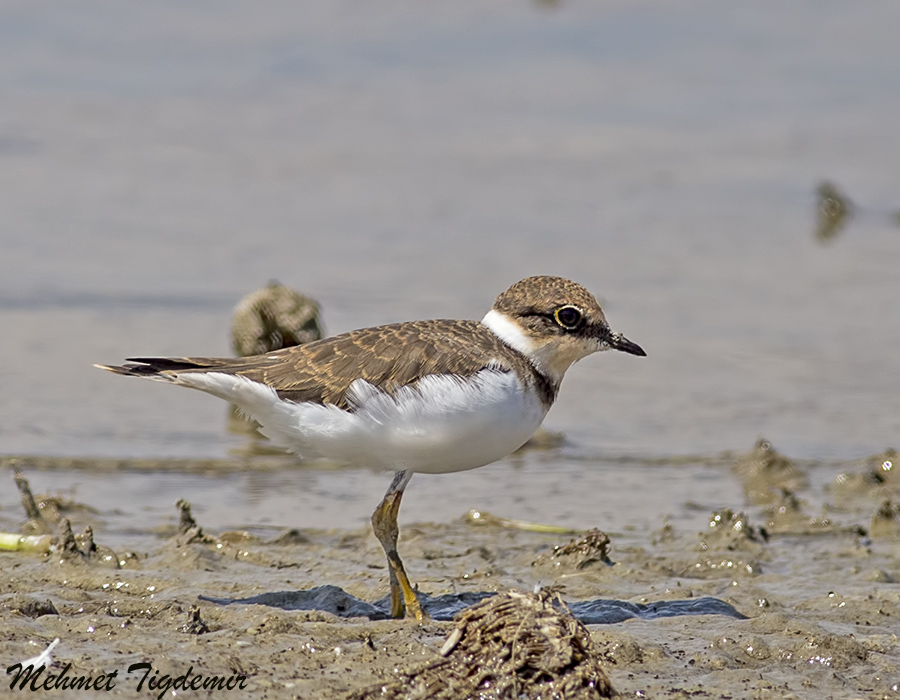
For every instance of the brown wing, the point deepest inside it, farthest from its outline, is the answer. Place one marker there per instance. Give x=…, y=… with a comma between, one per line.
x=322, y=371
x=388, y=356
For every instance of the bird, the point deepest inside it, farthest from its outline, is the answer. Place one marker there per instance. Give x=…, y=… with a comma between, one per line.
x=434, y=396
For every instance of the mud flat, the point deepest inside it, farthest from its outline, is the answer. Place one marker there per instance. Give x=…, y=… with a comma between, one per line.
x=790, y=592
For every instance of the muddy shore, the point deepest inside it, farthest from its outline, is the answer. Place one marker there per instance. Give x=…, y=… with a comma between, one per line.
x=810, y=559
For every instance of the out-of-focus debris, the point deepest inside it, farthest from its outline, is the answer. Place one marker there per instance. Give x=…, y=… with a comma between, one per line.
x=480, y=517
x=766, y=474
x=878, y=478
x=273, y=318
x=543, y=439
x=886, y=521
x=833, y=209
x=32, y=512
x=731, y=531
x=14, y=542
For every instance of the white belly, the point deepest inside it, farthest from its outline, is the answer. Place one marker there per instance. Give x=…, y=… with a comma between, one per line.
x=443, y=424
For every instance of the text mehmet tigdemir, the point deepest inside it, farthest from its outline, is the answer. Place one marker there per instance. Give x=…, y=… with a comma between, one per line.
x=34, y=679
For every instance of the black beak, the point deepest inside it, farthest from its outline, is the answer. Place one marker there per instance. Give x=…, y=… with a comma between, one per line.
x=617, y=341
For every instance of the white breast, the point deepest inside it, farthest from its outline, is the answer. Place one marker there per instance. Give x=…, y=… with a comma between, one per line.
x=442, y=424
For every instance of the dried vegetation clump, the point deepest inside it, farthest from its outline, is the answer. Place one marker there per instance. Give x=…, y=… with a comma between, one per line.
x=514, y=645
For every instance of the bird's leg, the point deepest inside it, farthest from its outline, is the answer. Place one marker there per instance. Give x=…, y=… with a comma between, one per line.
x=384, y=522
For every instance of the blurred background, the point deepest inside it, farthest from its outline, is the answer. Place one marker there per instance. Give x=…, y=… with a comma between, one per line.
x=160, y=160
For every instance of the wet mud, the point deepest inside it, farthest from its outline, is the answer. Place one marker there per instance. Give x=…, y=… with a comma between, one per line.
x=789, y=592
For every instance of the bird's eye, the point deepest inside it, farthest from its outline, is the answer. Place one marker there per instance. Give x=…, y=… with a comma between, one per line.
x=569, y=317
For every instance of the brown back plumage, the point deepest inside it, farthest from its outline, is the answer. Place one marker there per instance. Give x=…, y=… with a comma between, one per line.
x=388, y=357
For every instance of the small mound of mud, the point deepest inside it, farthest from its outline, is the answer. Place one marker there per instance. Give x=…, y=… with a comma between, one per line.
x=732, y=531
x=765, y=473
x=29, y=606
x=580, y=553
x=886, y=521
x=514, y=645
x=73, y=548
x=878, y=478
x=785, y=513
x=591, y=548
x=189, y=531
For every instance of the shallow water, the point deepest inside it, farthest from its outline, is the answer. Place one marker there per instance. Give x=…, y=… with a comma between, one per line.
x=158, y=162
x=544, y=487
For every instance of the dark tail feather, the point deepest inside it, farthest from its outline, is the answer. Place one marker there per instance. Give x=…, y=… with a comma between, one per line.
x=153, y=366
x=132, y=370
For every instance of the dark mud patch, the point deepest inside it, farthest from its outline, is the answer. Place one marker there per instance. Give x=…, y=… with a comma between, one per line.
x=336, y=601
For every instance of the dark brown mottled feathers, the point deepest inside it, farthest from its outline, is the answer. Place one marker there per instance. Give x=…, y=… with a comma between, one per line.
x=388, y=357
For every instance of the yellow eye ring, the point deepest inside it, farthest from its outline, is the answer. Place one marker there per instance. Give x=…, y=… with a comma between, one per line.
x=569, y=317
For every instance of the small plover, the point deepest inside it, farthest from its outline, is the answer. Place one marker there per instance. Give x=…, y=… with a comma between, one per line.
x=423, y=396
